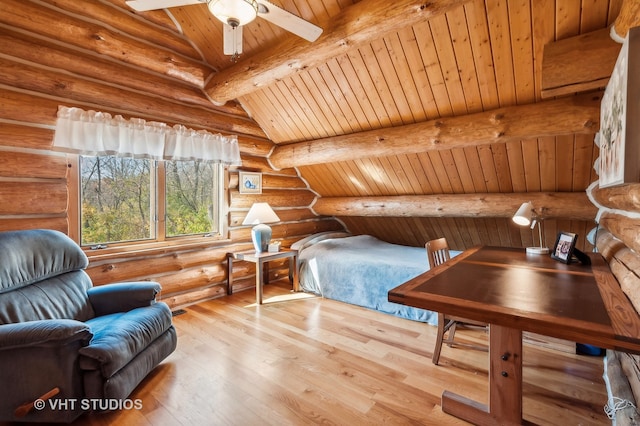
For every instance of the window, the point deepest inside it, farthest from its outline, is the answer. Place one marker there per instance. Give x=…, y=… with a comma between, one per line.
x=191, y=198
x=122, y=198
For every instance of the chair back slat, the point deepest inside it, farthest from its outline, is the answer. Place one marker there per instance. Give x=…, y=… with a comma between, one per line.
x=437, y=251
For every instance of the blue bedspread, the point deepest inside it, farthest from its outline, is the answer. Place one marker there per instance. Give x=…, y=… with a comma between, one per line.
x=361, y=270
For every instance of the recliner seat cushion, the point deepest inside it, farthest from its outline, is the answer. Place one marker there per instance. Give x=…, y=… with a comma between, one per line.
x=118, y=338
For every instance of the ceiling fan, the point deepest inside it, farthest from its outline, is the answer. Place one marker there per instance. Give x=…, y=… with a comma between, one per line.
x=236, y=13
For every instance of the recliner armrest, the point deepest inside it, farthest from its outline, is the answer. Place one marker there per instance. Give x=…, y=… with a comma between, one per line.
x=122, y=297
x=43, y=332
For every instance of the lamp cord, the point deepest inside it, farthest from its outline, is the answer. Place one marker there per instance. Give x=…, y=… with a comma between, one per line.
x=615, y=404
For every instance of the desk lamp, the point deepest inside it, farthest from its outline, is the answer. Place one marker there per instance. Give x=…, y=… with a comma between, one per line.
x=524, y=217
x=259, y=215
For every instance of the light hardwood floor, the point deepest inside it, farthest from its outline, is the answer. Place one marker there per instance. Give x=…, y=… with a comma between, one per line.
x=300, y=360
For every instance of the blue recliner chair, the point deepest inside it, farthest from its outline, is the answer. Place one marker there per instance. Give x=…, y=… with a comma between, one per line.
x=67, y=347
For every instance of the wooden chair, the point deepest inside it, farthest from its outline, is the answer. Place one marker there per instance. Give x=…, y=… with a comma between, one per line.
x=438, y=253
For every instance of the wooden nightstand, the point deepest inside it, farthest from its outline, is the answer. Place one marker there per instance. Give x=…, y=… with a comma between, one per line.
x=262, y=267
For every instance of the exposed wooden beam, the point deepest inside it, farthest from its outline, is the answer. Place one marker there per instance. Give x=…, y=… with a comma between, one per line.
x=92, y=37
x=355, y=25
x=578, y=64
x=566, y=205
x=628, y=17
x=577, y=114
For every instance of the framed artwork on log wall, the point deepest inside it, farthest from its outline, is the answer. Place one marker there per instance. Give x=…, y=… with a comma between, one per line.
x=250, y=183
x=619, y=135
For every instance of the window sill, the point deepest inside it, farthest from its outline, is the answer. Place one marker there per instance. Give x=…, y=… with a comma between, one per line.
x=113, y=251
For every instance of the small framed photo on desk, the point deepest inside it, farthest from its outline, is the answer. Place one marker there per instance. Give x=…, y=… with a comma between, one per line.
x=564, y=248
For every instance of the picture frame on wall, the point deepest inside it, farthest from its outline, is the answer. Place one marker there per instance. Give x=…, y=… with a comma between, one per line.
x=564, y=247
x=619, y=135
x=250, y=183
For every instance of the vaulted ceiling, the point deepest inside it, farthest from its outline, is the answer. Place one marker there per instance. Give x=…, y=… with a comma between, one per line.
x=413, y=81
x=466, y=58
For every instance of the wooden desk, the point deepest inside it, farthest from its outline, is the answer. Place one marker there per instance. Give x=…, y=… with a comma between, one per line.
x=262, y=267
x=515, y=292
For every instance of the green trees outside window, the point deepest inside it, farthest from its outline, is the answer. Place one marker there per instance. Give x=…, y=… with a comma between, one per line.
x=120, y=201
x=191, y=196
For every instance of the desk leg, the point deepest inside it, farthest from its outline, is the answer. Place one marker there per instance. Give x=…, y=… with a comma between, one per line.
x=259, y=271
x=505, y=383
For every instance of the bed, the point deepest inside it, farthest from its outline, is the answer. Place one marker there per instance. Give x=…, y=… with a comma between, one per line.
x=361, y=270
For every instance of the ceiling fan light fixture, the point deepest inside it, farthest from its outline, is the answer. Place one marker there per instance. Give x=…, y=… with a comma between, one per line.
x=234, y=12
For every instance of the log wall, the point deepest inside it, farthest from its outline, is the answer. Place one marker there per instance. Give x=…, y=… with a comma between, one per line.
x=617, y=239
x=42, y=66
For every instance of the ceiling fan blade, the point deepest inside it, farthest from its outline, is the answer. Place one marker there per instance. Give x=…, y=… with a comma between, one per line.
x=232, y=39
x=288, y=21
x=145, y=5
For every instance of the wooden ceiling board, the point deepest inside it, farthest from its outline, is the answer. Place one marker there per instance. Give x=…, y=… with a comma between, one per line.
x=296, y=116
x=486, y=155
x=502, y=167
x=335, y=95
x=546, y=155
x=594, y=15
x=433, y=70
x=364, y=87
x=355, y=93
x=322, y=110
x=386, y=104
x=543, y=32
x=531, y=165
x=450, y=67
x=482, y=56
x=420, y=176
x=451, y=169
x=465, y=61
x=522, y=50
x=396, y=63
x=314, y=107
x=407, y=43
x=463, y=170
x=201, y=27
x=585, y=154
x=499, y=34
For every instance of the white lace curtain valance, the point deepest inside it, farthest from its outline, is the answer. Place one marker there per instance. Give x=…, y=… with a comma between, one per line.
x=98, y=133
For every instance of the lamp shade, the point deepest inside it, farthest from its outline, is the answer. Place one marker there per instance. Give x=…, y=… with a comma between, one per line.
x=260, y=213
x=234, y=12
x=524, y=214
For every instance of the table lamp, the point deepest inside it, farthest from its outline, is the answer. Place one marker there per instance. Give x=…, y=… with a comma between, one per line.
x=524, y=217
x=259, y=215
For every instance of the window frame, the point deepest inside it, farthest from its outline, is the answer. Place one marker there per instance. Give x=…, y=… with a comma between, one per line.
x=158, y=197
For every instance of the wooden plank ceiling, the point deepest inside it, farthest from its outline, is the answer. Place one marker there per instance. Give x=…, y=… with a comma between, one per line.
x=478, y=56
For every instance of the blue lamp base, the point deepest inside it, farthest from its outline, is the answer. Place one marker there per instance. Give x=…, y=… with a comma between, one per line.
x=261, y=237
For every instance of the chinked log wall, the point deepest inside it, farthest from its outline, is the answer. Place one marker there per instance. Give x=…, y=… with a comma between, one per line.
x=49, y=57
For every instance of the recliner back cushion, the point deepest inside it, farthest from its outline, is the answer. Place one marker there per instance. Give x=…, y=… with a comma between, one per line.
x=60, y=297
x=34, y=255
x=42, y=277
